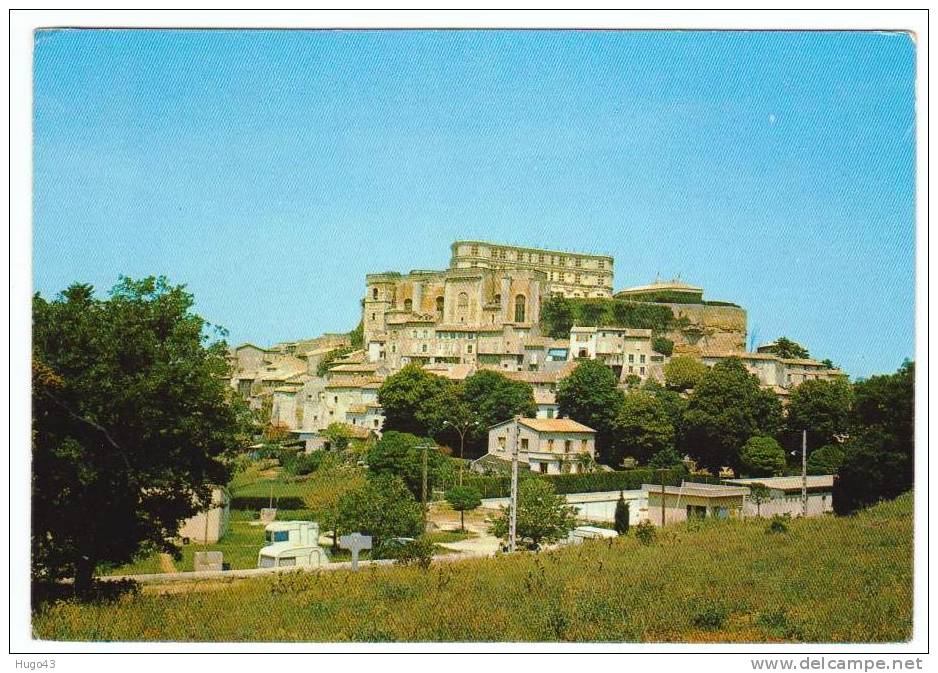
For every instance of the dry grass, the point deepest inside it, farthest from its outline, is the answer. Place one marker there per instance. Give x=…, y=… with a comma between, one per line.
x=825, y=580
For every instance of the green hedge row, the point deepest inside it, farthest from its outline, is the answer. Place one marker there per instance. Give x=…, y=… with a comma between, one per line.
x=256, y=503
x=499, y=486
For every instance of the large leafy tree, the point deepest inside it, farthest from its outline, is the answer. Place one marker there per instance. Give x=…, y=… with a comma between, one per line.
x=494, y=398
x=786, y=348
x=543, y=516
x=683, y=373
x=826, y=460
x=762, y=457
x=130, y=417
x=401, y=454
x=726, y=408
x=590, y=396
x=822, y=408
x=404, y=397
x=879, y=460
x=383, y=508
x=643, y=427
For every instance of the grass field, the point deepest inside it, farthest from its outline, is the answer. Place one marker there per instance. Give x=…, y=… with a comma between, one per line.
x=824, y=580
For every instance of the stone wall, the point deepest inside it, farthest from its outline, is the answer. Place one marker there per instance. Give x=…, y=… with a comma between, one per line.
x=708, y=328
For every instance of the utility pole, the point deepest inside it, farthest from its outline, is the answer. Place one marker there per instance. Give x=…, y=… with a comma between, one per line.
x=662, y=498
x=423, y=487
x=513, y=512
x=804, y=473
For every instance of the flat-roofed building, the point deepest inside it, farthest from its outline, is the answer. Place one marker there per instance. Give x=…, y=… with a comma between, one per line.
x=694, y=500
x=785, y=495
x=570, y=274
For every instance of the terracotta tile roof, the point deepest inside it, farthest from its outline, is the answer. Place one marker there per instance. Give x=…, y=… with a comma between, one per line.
x=357, y=367
x=355, y=382
x=357, y=409
x=554, y=425
x=533, y=377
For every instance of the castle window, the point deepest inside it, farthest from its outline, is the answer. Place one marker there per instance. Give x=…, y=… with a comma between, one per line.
x=474, y=251
x=498, y=300
x=463, y=300
x=408, y=305
x=577, y=262
x=374, y=293
x=439, y=304
x=468, y=348
x=519, y=308
x=540, y=258
x=602, y=264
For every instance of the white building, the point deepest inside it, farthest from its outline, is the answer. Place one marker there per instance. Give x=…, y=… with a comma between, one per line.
x=625, y=350
x=785, y=495
x=547, y=445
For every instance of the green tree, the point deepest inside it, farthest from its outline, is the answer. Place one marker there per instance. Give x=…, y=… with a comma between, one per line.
x=401, y=454
x=338, y=435
x=667, y=459
x=762, y=456
x=621, y=518
x=131, y=415
x=404, y=397
x=543, y=516
x=662, y=345
x=383, y=508
x=759, y=493
x=494, y=398
x=879, y=460
x=826, y=460
x=642, y=427
x=820, y=407
x=329, y=358
x=590, y=396
x=463, y=499
x=786, y=348
x=684, y=373
x=727, y=407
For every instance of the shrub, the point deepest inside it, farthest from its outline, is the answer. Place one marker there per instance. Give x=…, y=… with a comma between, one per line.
x=645, y=533
x=622, y=516
x=710, y=618
x=777, y=525
x=762, y=456
x=417, y=553
x=299, y=464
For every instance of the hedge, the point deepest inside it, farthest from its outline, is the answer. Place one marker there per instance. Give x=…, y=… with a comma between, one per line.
x=255, y=503
x=499, y=486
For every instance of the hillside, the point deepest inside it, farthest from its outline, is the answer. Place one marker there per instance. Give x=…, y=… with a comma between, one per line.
x=824, y=580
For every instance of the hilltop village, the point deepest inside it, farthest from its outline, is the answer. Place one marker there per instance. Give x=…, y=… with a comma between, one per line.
x=529, y=313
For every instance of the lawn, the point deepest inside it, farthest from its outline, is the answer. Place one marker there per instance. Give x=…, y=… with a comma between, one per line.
x=823, y=580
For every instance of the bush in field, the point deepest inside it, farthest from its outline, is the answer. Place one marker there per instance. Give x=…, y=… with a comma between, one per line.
x=418, y=553
x=299, y=464
x=400, y=454
x=645, y=533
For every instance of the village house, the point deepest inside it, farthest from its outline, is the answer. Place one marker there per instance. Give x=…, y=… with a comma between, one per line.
x=546, y=445
x=779, y=374
x=628, y=352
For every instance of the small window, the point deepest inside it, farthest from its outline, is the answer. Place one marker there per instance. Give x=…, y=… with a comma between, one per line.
x=641, y=370
x=550, y=445
x=463, y=300
x=468, y=348
x=524, y=443
x=374, y=293
x=408, y=305
x=631, y=358
x=567, y=445
x=641, y=359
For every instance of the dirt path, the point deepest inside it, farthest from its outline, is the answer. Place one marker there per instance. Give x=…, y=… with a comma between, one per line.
x=166, y=564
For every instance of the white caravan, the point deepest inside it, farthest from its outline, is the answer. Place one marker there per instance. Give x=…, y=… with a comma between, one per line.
x=291, y=543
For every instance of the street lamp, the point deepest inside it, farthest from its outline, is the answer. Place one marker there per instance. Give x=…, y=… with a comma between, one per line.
x=462, y=429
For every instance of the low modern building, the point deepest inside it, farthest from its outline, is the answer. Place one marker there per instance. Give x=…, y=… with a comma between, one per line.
x=780, y=374
x=547, y=445
x=673, y=504
x=785, y=495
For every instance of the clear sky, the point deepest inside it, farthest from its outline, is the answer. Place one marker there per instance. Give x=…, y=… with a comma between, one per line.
x=270, y=171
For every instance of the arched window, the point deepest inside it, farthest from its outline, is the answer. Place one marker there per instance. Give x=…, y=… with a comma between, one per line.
x=498, y=300
x=439, y=305
x=463, y=300
x=374, y=293
x=408, y=304
x=519, y=308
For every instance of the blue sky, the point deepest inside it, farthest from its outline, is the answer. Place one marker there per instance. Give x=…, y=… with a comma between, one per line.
x=270, y=171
